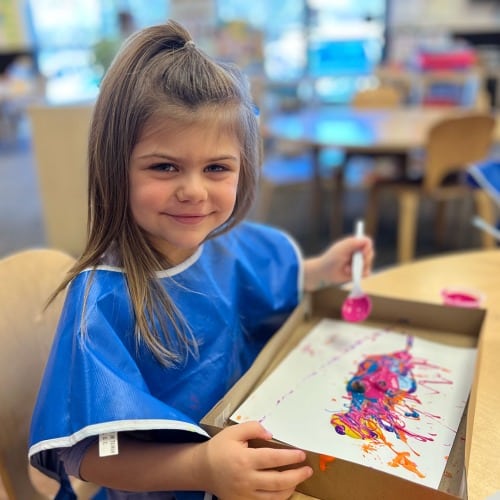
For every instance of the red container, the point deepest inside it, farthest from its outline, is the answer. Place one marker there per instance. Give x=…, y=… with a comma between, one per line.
x=453, y=60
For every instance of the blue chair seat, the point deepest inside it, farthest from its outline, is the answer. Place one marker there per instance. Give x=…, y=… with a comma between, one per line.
x=486, y=176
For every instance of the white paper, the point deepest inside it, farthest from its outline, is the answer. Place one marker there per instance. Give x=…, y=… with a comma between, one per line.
x=430, y=386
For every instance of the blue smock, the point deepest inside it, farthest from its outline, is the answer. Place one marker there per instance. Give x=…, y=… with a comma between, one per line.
x=234, y=293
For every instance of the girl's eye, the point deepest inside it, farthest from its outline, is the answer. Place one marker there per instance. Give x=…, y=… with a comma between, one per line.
x=163, y=167
x=216, y=168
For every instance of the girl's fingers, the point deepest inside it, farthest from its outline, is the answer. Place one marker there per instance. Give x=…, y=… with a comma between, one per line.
x=247, y=431
x=272, y=458
x=279, y=481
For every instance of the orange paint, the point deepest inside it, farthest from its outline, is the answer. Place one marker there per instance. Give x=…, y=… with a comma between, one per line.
x=401, y=459
x=367, y=447
x=324, y=460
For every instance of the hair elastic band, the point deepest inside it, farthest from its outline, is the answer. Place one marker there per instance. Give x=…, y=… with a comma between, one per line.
x=189, y=43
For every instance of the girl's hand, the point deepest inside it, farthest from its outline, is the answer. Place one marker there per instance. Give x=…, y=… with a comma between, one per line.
x=334, y=265
x=234, y=471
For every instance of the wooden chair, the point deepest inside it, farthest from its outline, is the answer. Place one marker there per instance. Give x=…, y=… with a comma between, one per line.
x=26, y=330
x=383, y=96
x=60, y=136
x=452, y=146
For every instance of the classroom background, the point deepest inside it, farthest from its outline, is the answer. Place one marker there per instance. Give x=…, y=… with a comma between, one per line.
x=297, y=53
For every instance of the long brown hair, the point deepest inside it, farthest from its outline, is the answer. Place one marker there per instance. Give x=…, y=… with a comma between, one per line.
x=158, y=72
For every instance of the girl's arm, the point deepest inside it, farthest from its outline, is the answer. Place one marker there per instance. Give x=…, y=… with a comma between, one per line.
x=224, y=465
x=334, y=265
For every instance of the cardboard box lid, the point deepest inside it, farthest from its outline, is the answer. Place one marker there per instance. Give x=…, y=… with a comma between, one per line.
x=343, y=480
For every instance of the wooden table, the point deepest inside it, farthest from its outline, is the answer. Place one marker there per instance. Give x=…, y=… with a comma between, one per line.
x=423, y=280
x=356, y=130
x=372, y=132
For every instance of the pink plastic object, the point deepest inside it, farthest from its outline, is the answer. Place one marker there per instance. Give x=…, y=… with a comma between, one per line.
x=357, y=306
x=461, y=297
x=355, y=309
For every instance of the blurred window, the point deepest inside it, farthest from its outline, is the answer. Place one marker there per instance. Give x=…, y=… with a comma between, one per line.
x=65, y=34
x=282, y=24
x=334, y=43
x=346, y=42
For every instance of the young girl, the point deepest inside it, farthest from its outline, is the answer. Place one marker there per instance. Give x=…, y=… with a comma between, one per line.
x=174, y=296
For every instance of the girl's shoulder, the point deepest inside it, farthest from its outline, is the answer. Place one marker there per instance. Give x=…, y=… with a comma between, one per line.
x=257, y=238
x=258, y=228
x=97, y=281
x=101, y=271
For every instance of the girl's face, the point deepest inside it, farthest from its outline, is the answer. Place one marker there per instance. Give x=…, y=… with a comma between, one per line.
x=183, y=184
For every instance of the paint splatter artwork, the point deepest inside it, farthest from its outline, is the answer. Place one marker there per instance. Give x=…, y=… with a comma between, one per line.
x=381, y=398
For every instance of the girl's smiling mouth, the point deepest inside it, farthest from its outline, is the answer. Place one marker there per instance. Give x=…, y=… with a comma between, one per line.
x=188, y=218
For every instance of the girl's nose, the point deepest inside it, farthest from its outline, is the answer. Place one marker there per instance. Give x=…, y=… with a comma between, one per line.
x=192, y=188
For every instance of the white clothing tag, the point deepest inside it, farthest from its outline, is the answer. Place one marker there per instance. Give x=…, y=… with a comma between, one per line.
x=108, y=444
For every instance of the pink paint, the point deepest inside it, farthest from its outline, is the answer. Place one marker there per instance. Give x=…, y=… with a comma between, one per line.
x=461, y=297
x=383, y=398
x=356, y=308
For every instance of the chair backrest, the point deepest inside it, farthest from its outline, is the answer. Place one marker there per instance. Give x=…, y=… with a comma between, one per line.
x=384, y=96
x=27, y=279
x=60, y=135
x=454, y=143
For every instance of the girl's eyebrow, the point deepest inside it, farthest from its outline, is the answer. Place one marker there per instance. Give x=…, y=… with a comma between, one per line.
x=173, y=158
